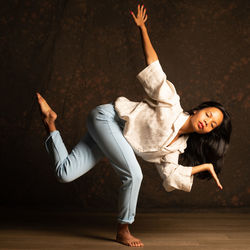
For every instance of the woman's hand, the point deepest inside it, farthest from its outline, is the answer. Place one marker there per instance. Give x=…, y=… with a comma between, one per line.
x=141, y=17
x=214, y=175
x=207, y=167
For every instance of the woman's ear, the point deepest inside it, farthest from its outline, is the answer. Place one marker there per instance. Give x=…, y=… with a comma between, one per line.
x=195, y=111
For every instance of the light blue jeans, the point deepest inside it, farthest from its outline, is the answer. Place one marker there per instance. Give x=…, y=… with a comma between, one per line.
x=104, y=138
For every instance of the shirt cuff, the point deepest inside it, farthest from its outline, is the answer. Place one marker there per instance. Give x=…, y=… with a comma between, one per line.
x=181, y=179
x=188, y=178
x=154, y=66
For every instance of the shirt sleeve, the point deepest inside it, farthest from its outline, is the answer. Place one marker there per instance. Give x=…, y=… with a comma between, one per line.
x=175, y=176
x=156, y=85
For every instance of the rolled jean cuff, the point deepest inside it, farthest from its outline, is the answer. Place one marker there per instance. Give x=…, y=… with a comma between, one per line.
x=126, y=221
x=51, y=135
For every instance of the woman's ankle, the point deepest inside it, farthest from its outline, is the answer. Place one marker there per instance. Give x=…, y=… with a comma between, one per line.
x=122, y=228
x=50, y=127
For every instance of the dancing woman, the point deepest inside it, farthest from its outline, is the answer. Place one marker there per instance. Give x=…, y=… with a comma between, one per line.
x=180, y=144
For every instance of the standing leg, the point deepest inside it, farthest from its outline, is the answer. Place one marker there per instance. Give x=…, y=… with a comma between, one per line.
x=83, y=157
x=103, y=125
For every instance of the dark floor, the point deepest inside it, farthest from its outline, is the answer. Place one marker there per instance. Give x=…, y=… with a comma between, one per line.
x=193, y=230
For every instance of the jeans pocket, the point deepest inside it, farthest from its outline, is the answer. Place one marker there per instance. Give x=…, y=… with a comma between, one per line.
x=104, y=114
x=105, y=111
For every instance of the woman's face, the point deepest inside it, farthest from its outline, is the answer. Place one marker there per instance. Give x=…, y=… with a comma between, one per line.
x=205, y=120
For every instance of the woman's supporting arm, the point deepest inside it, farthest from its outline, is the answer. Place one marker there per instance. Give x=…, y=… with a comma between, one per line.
x=207, y=167
x=140, y=19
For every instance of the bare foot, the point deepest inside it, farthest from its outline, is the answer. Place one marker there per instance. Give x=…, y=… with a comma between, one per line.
x=124, y=237
x=48, y=115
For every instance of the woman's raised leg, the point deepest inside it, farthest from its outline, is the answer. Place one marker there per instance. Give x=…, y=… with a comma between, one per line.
x=82, y=158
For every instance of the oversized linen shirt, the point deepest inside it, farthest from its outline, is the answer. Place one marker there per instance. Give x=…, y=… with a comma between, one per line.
x=153, y=123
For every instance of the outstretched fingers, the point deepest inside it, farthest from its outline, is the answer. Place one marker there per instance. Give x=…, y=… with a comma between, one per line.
x=141, y=16
x=218, y=183
x=214, y=175
x=142, y=11
x=133, y=15
x=138, y=10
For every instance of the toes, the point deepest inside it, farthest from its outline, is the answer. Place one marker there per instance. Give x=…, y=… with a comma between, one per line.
x=41, y=99
x=136, y=244
x=38, y=96
x=132, y=244
x=140, y=244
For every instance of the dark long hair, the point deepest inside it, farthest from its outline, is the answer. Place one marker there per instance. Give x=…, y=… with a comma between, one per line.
x=210, y=147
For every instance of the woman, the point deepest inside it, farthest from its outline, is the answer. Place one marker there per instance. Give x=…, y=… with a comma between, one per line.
x=156, y=129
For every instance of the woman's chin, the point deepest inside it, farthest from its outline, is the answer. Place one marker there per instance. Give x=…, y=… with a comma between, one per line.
x=200, y=131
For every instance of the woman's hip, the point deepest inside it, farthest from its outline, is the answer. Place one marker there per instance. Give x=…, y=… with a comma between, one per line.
x=106, y=112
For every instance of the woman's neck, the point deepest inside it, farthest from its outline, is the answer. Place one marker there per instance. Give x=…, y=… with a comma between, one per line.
x=186, y=128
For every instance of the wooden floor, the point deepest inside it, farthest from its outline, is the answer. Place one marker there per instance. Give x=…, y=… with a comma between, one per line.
x=192, y=230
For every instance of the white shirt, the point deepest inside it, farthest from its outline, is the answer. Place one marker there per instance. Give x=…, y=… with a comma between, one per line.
x=153, y=123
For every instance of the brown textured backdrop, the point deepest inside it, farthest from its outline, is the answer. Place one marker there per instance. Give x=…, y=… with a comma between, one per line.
x=79, y=54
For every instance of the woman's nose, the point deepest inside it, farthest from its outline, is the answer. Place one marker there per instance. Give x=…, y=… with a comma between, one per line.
x=208, y=121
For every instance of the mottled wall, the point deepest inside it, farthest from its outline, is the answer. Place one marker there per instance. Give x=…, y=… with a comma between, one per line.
x=79, y=54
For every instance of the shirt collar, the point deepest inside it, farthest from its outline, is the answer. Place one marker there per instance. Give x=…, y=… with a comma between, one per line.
x=179, y=122
x=180, y=144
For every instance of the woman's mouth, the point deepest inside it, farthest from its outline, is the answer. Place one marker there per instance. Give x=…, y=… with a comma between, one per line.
x=200, y=125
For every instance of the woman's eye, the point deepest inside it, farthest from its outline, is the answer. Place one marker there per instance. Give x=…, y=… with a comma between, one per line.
x=208, y=114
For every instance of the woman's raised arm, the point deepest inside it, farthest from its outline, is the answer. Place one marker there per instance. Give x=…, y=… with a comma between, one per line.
x=140, y=19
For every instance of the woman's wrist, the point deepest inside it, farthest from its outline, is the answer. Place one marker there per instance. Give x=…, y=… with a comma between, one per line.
x=208, y=166
x=200, y=168
x=143, y=27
